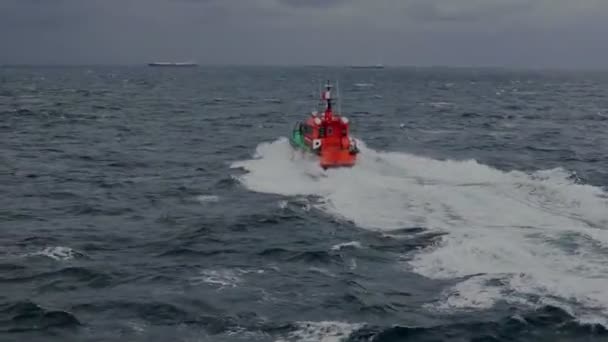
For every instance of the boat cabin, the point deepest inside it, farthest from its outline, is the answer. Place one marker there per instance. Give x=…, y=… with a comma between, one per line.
x=321, y=132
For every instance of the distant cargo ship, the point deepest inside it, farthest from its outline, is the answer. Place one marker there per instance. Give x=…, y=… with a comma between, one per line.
x=377, y=66
x=173, y=64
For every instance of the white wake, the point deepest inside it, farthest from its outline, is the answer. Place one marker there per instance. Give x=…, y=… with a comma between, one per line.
x=528, y=235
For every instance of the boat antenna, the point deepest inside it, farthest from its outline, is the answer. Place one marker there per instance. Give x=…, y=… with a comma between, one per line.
x=339, y=97
x=320, y=92
x=314, y=107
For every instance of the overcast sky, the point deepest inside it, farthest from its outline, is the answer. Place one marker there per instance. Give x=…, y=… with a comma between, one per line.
x=520, y=33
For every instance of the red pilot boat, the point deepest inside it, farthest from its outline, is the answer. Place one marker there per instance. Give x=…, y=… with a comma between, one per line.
x=326, y=136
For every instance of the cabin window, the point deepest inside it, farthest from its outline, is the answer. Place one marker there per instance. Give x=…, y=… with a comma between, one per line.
x=307, y=129
x=329, y=131
x=321, y=132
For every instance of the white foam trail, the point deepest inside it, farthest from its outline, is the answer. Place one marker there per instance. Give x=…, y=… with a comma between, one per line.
x=534, y=234
x=283, y=204
x=207, y=198
x=321, y=332
x=353, y=244
x=58, y=253
x=441, y=104
x=473, y=293
x=222, y=278
x=138, y=327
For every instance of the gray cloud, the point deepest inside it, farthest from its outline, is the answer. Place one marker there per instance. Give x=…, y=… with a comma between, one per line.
x=422, y=32
x=313, y=3
x=436, y=11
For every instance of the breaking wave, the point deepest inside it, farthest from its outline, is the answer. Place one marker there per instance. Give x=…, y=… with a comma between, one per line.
x=529, y=238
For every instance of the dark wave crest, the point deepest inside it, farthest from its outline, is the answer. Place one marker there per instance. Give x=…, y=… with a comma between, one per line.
x=546, y=324
x=28, y=316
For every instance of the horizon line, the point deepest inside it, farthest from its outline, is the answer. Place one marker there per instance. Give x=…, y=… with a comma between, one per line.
x=385, y=66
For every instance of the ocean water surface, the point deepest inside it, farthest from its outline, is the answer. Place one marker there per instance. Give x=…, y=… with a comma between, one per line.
x=165, y=204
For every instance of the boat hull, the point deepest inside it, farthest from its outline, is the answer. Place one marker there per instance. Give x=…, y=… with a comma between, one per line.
x=297, y=141
x=328, y=157
x=333, y=158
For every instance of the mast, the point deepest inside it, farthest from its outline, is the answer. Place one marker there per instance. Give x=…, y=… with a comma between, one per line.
x=339, y=97
x=326, y=96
